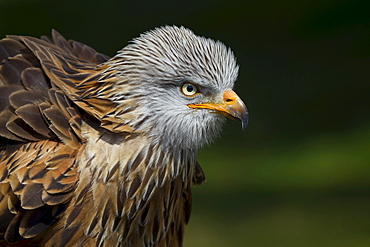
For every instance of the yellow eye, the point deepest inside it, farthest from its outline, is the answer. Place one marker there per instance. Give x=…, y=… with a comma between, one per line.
x=189, y=89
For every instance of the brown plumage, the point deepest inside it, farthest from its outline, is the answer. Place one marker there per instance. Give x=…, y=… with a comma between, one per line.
x=80, y=161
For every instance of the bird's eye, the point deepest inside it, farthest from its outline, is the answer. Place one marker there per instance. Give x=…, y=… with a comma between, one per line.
x=189, y=89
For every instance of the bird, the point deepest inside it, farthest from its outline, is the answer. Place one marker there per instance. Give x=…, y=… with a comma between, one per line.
x=100, y=151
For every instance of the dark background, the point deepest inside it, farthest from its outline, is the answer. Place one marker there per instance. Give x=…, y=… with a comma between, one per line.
x=299, y=174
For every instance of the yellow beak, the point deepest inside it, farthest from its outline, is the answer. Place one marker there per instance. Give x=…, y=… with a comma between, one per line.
x=232, y=107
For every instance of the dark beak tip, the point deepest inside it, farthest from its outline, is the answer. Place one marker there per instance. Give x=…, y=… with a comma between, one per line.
x=245, y=120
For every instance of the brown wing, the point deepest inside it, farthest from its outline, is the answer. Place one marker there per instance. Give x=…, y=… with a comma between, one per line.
x=79, y=77
x=40, y=134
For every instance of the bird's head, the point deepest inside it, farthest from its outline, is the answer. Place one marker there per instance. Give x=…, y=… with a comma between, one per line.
x=177, y=87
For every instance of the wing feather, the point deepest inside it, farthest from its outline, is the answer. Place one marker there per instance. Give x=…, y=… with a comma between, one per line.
x=23, y=97
x=31, y=115
x=34, y=78
x=9, y=48
x=31, y=196
x=9, y=74
x=18, y=127
x=5, y=116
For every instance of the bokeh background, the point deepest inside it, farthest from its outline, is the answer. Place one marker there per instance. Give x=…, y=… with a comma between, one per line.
x=300, y=174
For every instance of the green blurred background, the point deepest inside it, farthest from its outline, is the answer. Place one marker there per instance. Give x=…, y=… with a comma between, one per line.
x=299, y=174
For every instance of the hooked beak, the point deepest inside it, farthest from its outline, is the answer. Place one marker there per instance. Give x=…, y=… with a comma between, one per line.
x=232, y=107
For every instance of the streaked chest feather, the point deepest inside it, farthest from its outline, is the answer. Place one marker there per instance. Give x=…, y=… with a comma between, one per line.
x=141, y=198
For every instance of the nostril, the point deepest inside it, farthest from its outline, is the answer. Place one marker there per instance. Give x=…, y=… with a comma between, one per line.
x=229, y=97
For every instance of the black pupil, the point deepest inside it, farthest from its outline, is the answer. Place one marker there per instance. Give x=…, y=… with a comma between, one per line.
x=190, y=88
